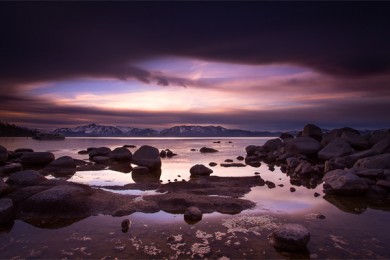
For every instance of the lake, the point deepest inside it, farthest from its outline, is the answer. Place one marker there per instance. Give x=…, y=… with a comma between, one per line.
x=344, y=230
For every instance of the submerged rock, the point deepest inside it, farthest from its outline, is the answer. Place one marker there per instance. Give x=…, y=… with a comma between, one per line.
x=147, y=156
x=200, y=170
x=290, y=237
x=232, y=165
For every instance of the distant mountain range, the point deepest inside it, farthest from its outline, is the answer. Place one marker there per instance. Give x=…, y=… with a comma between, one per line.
x=96, y=130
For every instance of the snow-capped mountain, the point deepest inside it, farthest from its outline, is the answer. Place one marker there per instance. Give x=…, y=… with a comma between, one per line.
x=176, y=131
x=211, y=131
x=102, y=130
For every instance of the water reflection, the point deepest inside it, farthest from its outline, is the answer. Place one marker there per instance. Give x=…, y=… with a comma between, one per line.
x=357, y=205
x=150, y=177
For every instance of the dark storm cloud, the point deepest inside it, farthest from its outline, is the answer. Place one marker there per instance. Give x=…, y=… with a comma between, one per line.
x=48, y=41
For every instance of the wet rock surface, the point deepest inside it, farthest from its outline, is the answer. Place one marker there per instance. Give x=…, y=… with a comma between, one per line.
x=290, y=237
x=147, y=156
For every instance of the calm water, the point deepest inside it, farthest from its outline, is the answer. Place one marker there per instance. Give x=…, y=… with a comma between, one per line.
x=163, y=235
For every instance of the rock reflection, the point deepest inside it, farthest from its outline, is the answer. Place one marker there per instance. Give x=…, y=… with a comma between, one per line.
x=357, y=205
x=150, y=177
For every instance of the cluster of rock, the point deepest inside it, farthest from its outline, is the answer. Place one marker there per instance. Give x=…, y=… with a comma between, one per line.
x=348, y=163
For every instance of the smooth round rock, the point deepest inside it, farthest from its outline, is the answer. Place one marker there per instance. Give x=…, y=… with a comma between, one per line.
x=6, y=211
x=193, y=214
x=290, y=237
x=200, y=170
x=25, y=178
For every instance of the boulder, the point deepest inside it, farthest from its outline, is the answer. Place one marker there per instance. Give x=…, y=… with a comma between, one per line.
x=200, y=170
x=208, y=150
x=163, y=154
x=59, y=200
x=384, y=184
x=3, y=187
x=82, y=152
x=212, y=164
x=37, y=159
x=25, y=178
x=370, y=173
x=345, y=182
x=129, y=146
x=140, y=170
x=192, y=214
x=64, y=165
x=3, y=154
x=312, y=131
x=62, y=162
x=240, y=158
x=6, y=211
x=383, y=146
x=302, y=145
x=251, y=149
x=349, y=160
x=24, y=150
x=272, y=145
x=381, y=161
x=105, y=160
x=336, y=148
x=121, y=154
x=147, y=156
x=357, y=141
x=101, y=151
x=290, y=237
x=378, y=136
x=285, y=136
x=10, y=168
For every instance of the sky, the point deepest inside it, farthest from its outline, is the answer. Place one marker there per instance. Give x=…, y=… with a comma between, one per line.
x=247, y=65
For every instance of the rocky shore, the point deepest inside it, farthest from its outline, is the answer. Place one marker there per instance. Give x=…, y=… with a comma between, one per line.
x=353, y=169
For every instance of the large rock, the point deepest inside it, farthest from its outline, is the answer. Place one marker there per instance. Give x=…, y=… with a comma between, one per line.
x=25, y=178
x=200, y=170
x=336, y=148
x=290, y=237
x=349, y=160
x=64, y=165
x=121, y=154
x=312, y=131
x=147, y=156
x=10, y=168
x=192, y=215
x=375, y=162
x=357, y=141
x=58, y=200
x=101, y=151
x=3, y=154
x=6, y=211
x=251, y=149
x=383, y=146
x=105, y=160
x=208, y=150
x=272, y=145
x=3, y=187
x=37, y=158
x=345, y=182
x=302, y=145
x=378, y=136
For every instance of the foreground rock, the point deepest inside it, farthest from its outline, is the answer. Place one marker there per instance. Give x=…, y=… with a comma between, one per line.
x=3, y=154
x=36, y=159
x=101, y=151
x=147, y=156
x=312, y=131
x=200, y=170
x=302, y=145
x=64, y=165
x=6, y=211
x=345, y=182
x=192, y=215
x=290, y=237
x=121, y=154
x=375, y=162
x=10, y=168
x=336, y=148
x=25, y=178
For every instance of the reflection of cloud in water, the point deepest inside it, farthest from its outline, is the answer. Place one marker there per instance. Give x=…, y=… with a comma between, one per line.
x=101, y=178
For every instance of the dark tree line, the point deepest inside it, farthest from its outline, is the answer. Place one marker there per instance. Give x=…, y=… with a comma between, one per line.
x=11, y=130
